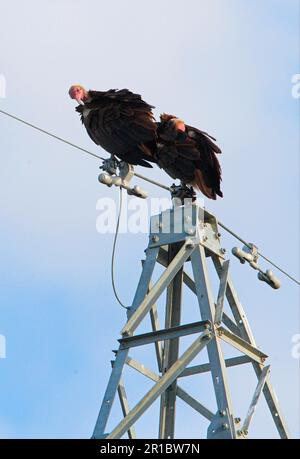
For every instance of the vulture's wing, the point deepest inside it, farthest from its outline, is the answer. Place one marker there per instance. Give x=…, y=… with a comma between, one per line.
x=203, y=138
x=122, y=123
x=208, y=169
x=190, y=156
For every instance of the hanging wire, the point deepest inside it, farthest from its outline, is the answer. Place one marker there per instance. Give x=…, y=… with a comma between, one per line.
x=153, y=182
x=112, y=265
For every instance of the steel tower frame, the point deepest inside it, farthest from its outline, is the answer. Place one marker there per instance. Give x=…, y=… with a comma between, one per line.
x=187, y=234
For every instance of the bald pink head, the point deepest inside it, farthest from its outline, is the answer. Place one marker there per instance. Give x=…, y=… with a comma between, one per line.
x=78, y=92
x=177, y=122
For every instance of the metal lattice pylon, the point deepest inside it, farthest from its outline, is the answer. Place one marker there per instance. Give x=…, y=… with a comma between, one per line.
x=187, y=234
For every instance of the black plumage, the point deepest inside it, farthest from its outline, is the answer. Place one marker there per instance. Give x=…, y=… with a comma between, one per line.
x=188, y=154
x=121, y=123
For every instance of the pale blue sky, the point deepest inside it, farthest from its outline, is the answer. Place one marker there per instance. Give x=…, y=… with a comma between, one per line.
x=224, y=66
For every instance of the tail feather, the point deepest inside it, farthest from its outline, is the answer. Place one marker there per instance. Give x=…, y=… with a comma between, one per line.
x=199, y=183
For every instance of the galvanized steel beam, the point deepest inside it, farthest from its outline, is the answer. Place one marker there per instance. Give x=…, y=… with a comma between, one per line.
x=157, y=289
x=161, y=385
x=257, y=393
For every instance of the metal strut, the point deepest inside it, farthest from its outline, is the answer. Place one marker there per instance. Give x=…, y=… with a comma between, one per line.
x=181, y=235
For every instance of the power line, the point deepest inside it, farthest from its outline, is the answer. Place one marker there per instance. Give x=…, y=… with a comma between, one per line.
x=54, y=136
x=51, y=135
x=153, y=182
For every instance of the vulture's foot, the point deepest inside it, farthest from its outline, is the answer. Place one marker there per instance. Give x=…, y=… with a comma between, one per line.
x=110, y=165
x=183, y=192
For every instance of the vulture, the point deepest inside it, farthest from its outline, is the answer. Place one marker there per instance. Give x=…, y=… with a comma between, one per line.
x=123, y=124
x=120, y=122
x=188, y=154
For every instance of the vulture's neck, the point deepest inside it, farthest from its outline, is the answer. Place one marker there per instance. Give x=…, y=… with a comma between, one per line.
x=88, y=99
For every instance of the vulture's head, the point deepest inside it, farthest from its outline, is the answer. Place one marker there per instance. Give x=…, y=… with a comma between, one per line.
x=172, y=128
x=173, y=121
x=79, y=93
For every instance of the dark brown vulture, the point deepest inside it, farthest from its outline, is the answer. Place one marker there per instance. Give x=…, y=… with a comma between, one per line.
x=188, y=154
x=120, y=122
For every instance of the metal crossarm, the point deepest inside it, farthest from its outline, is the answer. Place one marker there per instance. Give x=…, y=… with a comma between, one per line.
x=206, y=367
x=166, y=334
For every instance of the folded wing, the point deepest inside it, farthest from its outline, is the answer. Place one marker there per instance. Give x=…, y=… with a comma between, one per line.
x=121, y=123
x=190, y=156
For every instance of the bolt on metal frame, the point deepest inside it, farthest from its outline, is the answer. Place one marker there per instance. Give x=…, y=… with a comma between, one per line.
x=186, y=234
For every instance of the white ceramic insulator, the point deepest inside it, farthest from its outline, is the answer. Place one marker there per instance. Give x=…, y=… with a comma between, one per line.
x=276, y=282
x=239, y=253
x=117, y=181
x=269, y=278
x=106, y=179
x=140, y=192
